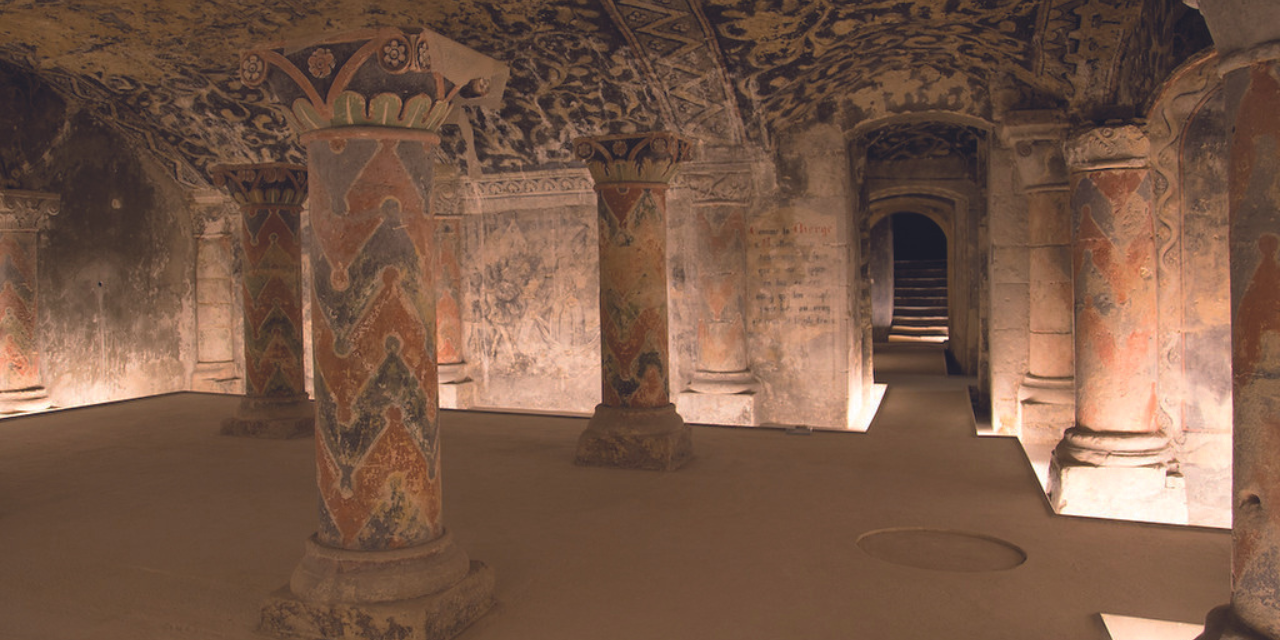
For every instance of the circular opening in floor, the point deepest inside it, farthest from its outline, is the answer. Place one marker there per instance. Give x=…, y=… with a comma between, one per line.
x=941, y=550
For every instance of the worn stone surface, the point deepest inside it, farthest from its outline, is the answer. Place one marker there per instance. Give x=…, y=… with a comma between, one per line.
x=22, y=213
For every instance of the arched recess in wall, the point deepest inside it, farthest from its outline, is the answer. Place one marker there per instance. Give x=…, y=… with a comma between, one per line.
x=882, y=208
x=1187, y=127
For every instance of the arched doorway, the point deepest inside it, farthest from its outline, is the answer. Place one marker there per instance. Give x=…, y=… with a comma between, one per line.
x=919, y=280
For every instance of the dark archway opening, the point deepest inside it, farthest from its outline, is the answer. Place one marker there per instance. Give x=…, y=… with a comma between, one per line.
x=919, y=280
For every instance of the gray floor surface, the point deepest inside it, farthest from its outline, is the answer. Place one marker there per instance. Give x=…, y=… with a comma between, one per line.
x=136, y=521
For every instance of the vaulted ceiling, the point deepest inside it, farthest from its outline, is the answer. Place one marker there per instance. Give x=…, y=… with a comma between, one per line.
x=163, y=72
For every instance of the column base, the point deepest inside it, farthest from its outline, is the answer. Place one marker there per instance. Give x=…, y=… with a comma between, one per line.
x=723, y=382
x=24, y=400
x=215, y=377
x=1046, y=408
x=339, y=594
x=458, y=395
x=628, y=438
x=736, y=409
x=272, y=418
x=1222, y=624
x=448, y=372
x=1146, y=494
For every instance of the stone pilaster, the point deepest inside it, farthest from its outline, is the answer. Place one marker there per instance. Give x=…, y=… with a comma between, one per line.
x=367, y=107
x=1115, y=461
x=215, y=370
x=1247, y=35
x=271, y=196
x=457, y=390
x=21, y=214
x=635, y=426
x=723, y=388
x=1046, y=397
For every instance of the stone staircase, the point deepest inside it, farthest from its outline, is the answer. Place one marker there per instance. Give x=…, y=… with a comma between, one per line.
x=919, y=301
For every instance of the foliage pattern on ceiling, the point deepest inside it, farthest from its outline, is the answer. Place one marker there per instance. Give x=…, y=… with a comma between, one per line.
x=725, y=71
x=922, y=141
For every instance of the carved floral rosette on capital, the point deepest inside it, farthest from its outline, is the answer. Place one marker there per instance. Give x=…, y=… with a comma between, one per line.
x=21, y=214
x=271, y=197
x=368, y=106
x=636, y=425
x=380, y=78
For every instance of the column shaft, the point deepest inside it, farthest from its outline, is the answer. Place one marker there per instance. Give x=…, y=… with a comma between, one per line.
x=722, y=367
x=276, y=404
x=1253, y=94
x=635, y=426
x=21, y=386
x=456, y=389
x=381, y=563
x=1113, y=462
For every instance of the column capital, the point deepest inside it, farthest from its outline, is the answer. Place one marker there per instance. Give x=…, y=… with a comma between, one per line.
x=274, y=184
x=633, y=157
x=398, y=78
x=718, y=183
x=26, y=209
x=1036, y=137
x=1111, y=146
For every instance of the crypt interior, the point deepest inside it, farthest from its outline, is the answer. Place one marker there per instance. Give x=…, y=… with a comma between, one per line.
x=723, y=318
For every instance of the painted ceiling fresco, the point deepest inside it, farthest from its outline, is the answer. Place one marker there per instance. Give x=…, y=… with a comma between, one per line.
x=725, y=71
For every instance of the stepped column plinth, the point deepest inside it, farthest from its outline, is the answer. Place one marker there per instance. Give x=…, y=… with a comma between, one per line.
x=1114, y=462
x=1247, y=36
x=21, y=214
x=368, y=106
x=722, y=389
x=271, y=196
x=1046, y=397
x=635, y=426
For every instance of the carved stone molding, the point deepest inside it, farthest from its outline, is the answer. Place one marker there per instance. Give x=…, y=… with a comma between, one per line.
x=399, y=78
x=718, y=183
x=1036, y=138
x=25, y=210
x=274, y=184
x=1108, y=147
x=629, y=157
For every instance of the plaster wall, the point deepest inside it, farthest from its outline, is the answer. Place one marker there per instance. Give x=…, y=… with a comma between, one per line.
x=116, y=265
x=1010, y=293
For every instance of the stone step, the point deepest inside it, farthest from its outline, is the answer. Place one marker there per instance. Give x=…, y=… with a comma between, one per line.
x=936, y=264
x=926, y=301
x=914, y=274
x=922, y=321
x=916, y=292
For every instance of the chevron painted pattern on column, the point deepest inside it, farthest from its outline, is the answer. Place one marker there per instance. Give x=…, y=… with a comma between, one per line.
x=374, y=325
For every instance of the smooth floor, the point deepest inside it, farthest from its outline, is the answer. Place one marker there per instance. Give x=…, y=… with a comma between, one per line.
x=137, y=521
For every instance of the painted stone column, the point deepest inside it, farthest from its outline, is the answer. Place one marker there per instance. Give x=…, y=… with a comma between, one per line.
x=722, y=388
x=215, y=370
x=1247, y=35
x=271, y=196
x=1114, y=462
x=21, y=213
x=367, y=107
x=1046, y=397
x=456, y=389
x=635, y=426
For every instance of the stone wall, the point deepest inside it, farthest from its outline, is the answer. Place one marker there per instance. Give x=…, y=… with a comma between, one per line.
x=116, y=265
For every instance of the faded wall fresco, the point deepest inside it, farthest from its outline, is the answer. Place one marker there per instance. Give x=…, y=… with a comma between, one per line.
x=533, y=290
x=117, y=307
